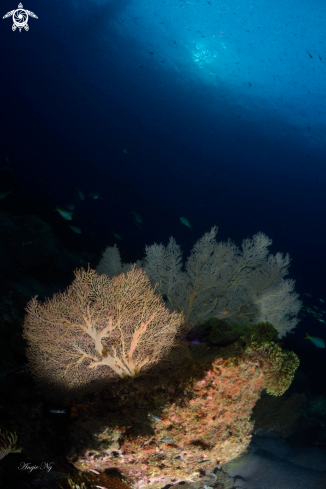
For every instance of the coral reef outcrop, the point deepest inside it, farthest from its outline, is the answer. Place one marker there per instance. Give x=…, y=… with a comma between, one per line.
x=175, y=427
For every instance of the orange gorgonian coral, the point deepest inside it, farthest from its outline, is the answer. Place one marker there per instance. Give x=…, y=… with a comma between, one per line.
x=100, y=329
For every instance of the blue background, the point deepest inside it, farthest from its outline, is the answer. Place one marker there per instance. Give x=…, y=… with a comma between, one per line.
x=220, y=106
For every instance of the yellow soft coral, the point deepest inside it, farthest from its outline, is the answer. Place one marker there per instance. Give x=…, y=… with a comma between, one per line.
x=278, y=366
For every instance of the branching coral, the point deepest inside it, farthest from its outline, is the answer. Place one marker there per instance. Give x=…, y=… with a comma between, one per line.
x=8, y=443
x=218, y=276
x=101, y=329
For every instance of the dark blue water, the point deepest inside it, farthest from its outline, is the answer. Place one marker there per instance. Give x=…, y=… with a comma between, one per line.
x=219, y=106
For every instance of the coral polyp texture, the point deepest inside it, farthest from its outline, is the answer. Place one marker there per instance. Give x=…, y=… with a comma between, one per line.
x=261, y=339
x=279, y=366
x=176, y=428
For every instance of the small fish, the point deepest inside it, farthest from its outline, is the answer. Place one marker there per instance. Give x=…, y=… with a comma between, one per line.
x=154, y=417
x=321, y=320
x=174, y=331
x=315, y=340
x=137, y=217
x=57, y=411
x=117, y=235
x=75, y=229
x=3, y=195
x=309, y=54
x=126, y=151
x=185, y=222
x=204, y=461
x=159, y=454
x=321, y=300
x=6, y=168
x=65, y=214
x=307, y=293
x=167, y=439
x=95, y=195
x=7, y=159
x=225, y=312
x=70, y=206
x=195, y=342
x=179, y=458
x=80, y=194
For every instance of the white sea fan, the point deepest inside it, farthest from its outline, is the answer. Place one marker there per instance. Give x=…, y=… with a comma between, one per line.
x=244, y=285
x=111, y=264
